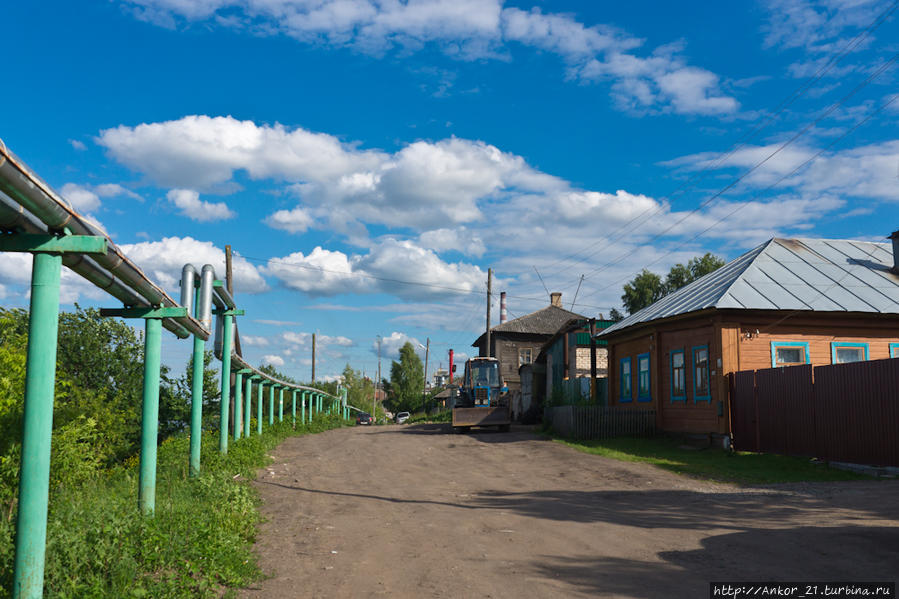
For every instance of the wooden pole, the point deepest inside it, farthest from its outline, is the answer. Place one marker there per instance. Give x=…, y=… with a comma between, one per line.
x=487, y=352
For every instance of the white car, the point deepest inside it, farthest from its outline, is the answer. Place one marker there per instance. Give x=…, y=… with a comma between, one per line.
x=402, y=417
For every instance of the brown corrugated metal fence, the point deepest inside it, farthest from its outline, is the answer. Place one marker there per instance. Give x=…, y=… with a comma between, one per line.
x=839, y=412
x=600, y=422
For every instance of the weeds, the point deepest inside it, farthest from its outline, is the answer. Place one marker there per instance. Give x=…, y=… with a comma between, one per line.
x=197, y=544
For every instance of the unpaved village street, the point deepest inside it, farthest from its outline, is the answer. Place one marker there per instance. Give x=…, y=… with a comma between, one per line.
x=416, y=511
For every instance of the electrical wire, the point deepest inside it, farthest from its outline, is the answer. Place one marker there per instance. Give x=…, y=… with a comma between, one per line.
x=690, y=183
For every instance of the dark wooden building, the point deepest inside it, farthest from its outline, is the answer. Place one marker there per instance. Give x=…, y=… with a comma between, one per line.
x=518, y=341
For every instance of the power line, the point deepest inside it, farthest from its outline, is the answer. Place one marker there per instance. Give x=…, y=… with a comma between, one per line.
x=783, y=178
x=780, y=148
x=786, y=103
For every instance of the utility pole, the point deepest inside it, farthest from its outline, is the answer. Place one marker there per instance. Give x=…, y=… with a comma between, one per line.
x=424, y=391
x=489, y=291
x=593, y=360
x=313, y=357
x=378, y=385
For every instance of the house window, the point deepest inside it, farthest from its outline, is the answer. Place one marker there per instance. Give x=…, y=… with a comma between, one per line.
x=789, y=353
x=701, y=381
x=843, y=352
x=894, y=350
x=524, y=356
x=625, y=369
x=643, y=392
x=678, y=376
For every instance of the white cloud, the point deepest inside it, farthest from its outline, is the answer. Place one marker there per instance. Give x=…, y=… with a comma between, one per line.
x=327, y=273
x=866, y=171
x=467, y=29
x=390, y=346
x=460, y=239
x=273, y=360
x=81, y=198
x=254, y=341
x=15, y=273
x=163, y=261
x=321, y=341
x=297, y=220
x=78, y=145
x=191, y=206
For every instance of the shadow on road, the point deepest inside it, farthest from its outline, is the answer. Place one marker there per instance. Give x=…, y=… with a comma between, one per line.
x=798, y=553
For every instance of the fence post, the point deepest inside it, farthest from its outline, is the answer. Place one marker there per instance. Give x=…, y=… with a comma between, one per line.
x=259, y=408
x=40, y=381
x=238, y=404
x=150, y=416
x=271, y=405
x=248, y=408
x=226, y=382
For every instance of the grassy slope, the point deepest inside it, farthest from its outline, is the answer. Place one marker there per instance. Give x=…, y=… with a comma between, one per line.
x=198, y=543
x=713, y=464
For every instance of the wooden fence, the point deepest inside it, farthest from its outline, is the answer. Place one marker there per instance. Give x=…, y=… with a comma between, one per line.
x=599, y=422
x=837, y=413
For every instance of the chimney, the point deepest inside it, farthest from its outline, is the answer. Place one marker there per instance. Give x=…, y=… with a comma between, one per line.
x=502, y=308
x=895, y=238
x=556, y=299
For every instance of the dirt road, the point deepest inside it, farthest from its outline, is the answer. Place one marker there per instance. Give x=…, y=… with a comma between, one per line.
x=416, y=511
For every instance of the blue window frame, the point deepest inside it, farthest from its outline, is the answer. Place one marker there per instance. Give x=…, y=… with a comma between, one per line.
x=843, y=352
x=789, y=353
x=626, y=392
x=894, y=350
x=678, y=376
x=644, y=392
x=702, y=380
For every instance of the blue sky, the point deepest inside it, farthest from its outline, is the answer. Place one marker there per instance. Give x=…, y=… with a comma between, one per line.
x=369, y=160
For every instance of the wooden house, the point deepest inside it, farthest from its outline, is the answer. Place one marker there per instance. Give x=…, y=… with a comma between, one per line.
x=787, y=301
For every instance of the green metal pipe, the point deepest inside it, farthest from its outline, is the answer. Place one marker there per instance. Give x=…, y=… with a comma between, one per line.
x=226, y=382
x=293, y=409
x=34, y=473
x=248, y=409
x=259, y=410
x=271, y=405
x=238, y=405
x=303, y=407
x=150, y=416
x=280, y=404
x=196, y=406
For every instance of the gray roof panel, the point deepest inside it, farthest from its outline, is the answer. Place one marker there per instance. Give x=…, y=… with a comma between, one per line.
x=828, y=275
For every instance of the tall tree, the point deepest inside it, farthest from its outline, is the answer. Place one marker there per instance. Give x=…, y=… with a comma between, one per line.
x=407, y=380
x=647, y=287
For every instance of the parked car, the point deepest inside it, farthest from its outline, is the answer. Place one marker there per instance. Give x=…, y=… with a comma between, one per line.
x=364, y=418
x=402, y=417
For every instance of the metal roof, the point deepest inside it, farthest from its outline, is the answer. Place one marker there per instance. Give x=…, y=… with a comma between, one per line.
x=545, y=321
x=824, y=275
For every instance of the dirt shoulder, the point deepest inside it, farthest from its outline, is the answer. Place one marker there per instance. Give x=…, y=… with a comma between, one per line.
x=416, y=511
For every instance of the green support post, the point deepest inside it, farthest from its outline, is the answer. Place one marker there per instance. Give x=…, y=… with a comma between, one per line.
x=248, y=408
x=238, y=404
x=40, y=381
x=303, y=407
x=280, y=404
x=226, y=382
x=293, y=409
x=149, y=429
x=259, y=409
x=271, y=405
x=196, y=406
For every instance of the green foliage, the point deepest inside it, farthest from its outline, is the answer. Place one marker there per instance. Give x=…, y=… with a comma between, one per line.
x=407, y=381
x=615, y=315
x=174, y=408
x=647, y=287
x=198, y=542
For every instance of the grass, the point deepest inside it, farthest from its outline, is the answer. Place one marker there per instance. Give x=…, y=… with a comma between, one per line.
x=197, y=544
x=419, y=417
x=713, y=464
